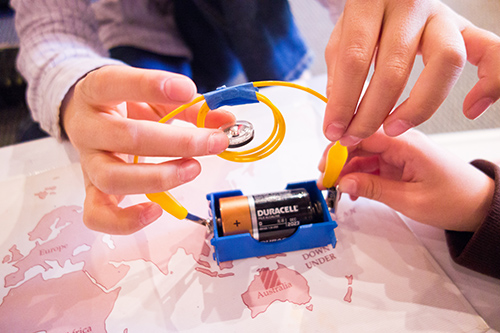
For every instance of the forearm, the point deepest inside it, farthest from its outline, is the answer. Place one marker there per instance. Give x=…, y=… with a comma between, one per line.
x=58, y=45
x=480, y=250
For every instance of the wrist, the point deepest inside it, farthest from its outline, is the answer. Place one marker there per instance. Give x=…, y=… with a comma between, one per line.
x=486, y=196
x=62, y=112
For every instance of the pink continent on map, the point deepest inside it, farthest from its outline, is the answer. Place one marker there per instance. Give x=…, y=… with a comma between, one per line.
x=73, y=235
x=274, y=256
x=55, y=305
x=269, y=286
x=156, y=244
x=226, y=265
x=42, y=195
x=15, y=255
x=61, y=236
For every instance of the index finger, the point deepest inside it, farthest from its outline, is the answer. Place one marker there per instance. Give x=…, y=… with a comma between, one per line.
x=348, y=56
x=112, y=85
x=102, y=213
x=148, y=138
x=444, y=56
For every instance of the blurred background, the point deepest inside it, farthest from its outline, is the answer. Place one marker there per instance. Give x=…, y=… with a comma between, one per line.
x=315, y=24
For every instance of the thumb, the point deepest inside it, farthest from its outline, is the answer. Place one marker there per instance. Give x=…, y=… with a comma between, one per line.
x=482, y=51
x=372, y=187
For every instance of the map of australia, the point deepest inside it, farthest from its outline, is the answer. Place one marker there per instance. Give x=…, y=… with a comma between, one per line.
x=282, y=284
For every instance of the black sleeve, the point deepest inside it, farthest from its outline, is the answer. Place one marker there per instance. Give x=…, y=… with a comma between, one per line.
x=480, y=250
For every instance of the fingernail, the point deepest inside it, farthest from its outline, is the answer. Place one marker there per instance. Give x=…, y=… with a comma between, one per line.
x=350, y=140
x=188, y=170
x=334, y=131
x=180, y=89
x=217, y=142
x=349, y=186
x=150, y=214
x=397, y=127
x=478, y=108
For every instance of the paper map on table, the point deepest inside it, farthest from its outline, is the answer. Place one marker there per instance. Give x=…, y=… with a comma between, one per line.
x=58, y=276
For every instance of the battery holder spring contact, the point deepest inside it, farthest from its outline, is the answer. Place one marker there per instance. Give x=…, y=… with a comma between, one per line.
x=332, y=198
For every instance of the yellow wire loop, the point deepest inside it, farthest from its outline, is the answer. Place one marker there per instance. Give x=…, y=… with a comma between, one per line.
x=263, y=150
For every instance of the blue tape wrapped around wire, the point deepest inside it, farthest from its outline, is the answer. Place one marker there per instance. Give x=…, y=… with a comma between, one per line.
x=235, y=95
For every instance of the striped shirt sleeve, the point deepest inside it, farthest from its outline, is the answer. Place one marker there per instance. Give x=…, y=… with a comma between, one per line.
x=59, y=44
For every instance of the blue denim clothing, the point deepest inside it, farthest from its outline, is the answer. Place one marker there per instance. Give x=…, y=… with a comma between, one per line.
x=144, y=59
x=231, y=40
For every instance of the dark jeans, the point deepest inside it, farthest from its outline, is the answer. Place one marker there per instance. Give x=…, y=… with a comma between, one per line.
x=231, y=41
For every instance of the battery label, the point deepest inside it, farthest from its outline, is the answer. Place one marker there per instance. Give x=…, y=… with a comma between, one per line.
x=268, y=217
x=278, y=211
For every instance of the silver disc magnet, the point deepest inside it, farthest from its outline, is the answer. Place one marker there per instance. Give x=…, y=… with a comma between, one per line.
x=239, y=134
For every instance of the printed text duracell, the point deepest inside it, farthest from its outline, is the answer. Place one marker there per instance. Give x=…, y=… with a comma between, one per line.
x=277, y=210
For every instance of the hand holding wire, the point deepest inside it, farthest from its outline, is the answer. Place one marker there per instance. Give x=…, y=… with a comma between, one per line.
x=238, y=95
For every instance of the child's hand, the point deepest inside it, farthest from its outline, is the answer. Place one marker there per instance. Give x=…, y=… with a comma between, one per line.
x=415, y=177
x=112, y=113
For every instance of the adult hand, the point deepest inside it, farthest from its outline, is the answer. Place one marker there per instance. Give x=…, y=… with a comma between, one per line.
x=390, y=34
x=483, y=51
x=112, y=113
x=415, y=177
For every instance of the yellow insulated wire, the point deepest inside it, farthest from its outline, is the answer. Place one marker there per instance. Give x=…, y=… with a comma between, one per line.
x=335, y=161
x=263, y=150
x=291, y=85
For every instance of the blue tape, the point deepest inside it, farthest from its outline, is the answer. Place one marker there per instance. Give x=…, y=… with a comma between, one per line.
x=236, y=95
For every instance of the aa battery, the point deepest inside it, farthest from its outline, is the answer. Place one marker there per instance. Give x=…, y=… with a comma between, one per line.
x=268, y=217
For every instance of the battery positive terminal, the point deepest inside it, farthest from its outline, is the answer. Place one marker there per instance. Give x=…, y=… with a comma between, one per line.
x=304, y=222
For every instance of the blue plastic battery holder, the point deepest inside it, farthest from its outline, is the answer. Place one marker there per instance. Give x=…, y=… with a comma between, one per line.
x=241, y=246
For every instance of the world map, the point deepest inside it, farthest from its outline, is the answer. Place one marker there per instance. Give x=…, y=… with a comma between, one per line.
x=91, y=265
x=58, y=276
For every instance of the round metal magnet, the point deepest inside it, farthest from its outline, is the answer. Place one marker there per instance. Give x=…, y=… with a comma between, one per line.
x=239, y=134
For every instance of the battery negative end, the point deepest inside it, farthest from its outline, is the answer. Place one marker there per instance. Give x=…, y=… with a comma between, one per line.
x=332, y=198
x=204, y=222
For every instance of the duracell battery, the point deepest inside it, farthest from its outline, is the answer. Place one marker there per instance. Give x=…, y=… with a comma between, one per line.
x=268, y=217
